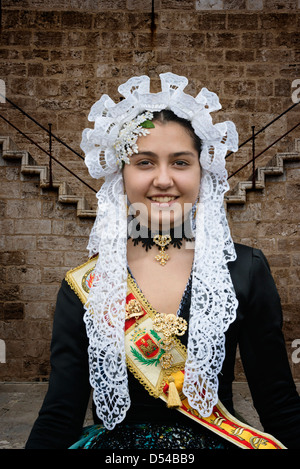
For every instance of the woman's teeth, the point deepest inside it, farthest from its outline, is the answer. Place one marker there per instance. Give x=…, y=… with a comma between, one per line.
x=163, y=199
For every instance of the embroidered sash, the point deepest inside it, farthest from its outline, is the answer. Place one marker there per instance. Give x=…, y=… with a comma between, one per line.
x=143, y=353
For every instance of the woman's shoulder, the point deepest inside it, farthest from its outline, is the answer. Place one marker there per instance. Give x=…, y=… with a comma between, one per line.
x=245, y=254
x=250, y=265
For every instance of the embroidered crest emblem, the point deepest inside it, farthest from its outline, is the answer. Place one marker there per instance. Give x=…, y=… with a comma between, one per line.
x=87, y=280
x=147, y=346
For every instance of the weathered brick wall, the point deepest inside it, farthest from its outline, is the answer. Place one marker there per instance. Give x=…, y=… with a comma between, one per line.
x=270, y=221
x=40, y=240
x=59, y=57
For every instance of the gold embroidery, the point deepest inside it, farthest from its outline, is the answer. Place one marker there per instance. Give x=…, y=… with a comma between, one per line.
x=238, y=432
x=218, y=420
x=137, y=334
x=147, y=346
x=256, y=442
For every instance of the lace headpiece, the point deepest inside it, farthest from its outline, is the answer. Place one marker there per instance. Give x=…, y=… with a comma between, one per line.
x=213, y=300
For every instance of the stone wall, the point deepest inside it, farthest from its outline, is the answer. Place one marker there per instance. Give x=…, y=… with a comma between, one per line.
x=59, y=57
x=41, y=239
x=270, y=221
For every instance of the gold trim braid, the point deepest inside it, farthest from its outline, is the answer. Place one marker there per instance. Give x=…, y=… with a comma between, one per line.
x=80, y=279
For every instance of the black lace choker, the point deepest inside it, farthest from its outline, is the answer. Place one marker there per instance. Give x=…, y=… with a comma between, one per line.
x=174, y=237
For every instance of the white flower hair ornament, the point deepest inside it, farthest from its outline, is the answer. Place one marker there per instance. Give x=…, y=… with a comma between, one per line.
x=107, y=147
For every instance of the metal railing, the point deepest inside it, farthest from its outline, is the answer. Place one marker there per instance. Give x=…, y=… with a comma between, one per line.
x=48, y=152
x=252, y=139
x=59, y=140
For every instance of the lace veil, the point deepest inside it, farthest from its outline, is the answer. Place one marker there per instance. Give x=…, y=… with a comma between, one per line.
x=213, y=301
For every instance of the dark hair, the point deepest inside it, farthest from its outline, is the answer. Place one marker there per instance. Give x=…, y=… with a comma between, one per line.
x=166, y=115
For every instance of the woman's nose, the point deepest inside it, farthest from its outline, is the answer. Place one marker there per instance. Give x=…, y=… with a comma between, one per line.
x=163, y=177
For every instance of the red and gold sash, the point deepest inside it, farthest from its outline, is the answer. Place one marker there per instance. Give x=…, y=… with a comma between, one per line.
x=143, y=353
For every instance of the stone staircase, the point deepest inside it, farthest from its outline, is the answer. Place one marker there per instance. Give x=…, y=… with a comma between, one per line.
x=10, y=151
x=237, y=195
x=275, y=167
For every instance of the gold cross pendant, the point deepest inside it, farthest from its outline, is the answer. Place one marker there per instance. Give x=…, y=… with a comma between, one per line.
x=162, y=241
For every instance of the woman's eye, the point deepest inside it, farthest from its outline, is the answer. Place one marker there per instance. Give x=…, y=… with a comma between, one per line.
x=144, y=163
x=180, y=163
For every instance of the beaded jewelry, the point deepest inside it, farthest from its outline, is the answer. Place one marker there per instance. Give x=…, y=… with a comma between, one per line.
x=125, y=145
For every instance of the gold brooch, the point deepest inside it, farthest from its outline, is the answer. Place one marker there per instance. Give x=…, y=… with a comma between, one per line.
x=170, y=326
x=133, y=310
x=162, y=241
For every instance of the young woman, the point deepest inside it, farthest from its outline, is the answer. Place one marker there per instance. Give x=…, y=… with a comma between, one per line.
x=153, y=319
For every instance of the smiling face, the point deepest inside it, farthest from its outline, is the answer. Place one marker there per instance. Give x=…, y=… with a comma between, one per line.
x=162, y=180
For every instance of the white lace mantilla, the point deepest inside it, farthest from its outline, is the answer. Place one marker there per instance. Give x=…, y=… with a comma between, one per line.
x=213, y=302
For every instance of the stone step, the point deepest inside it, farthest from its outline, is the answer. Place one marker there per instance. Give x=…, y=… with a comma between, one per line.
x=275, y=167
x=238, y=195
x=29, y=166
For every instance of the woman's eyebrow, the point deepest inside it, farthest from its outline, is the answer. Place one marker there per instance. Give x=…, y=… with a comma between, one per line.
x=184, y=153
x=176, y=154
x=145, y=153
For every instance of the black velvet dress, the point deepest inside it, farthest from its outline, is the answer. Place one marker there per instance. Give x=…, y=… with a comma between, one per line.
x=257, y=331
